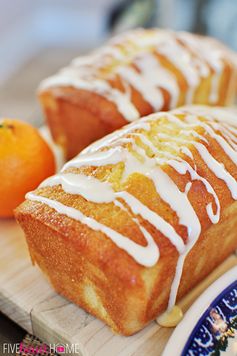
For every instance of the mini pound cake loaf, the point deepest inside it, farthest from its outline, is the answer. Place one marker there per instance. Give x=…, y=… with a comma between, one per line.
x=137, y=220
x=135, y=74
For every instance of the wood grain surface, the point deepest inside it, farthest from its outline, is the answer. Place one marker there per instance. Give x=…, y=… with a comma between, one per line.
x=27, y=298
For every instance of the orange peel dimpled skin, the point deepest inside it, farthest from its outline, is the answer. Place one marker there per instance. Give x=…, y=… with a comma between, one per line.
x=133, y=75
x=25, y=160
x=140, y=217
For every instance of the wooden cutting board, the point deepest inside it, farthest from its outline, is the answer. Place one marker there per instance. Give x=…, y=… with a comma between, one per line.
x=27, y=298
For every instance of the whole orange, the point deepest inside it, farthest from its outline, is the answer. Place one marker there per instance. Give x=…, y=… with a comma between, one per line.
x=25, y=160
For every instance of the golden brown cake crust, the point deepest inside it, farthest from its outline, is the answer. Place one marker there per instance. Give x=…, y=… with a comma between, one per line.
x=118, y=284
x=88, y=268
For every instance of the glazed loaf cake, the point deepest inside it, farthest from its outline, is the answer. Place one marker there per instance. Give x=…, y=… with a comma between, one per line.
x=135, y=74
x=138, y=219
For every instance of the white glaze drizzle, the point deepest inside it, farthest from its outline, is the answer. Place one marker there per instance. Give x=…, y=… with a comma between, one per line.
x=116, y=135
x=111, y=156
x=212, y=58
x=97, y=191
x=149, y=253
x=151, y=78
x=195, y=57
x=217, y=168
x=182, y=167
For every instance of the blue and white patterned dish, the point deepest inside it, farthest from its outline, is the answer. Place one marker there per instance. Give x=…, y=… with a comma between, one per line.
x=209, y=328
